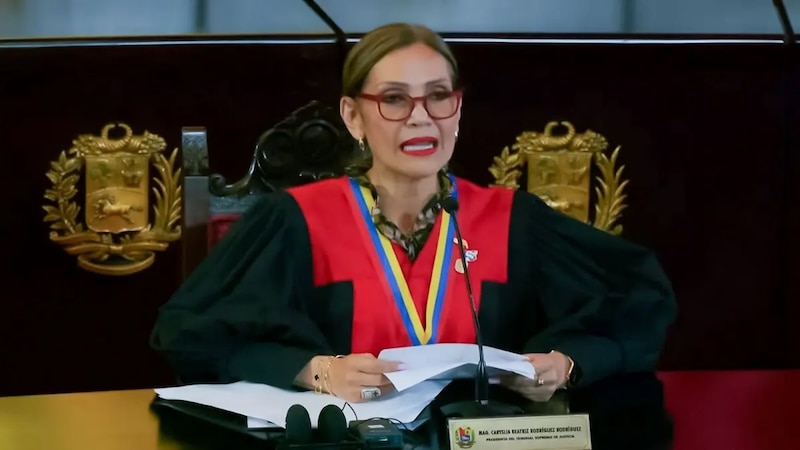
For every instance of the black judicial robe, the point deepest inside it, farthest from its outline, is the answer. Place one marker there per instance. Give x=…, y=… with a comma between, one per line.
x=304, y=272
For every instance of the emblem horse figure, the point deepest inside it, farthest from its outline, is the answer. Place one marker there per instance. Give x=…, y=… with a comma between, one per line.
x=107, y=206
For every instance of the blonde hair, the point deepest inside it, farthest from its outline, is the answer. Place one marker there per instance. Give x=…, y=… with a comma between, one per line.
x=372, y=48
x=380, y=42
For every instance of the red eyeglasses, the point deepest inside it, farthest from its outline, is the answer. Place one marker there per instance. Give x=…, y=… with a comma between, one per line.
x=397, y=106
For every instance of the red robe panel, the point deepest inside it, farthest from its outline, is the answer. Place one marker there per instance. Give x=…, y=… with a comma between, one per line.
x=343, y=252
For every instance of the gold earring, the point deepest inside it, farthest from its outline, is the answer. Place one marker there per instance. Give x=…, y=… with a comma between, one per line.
x=362, y=145
x=456, y=134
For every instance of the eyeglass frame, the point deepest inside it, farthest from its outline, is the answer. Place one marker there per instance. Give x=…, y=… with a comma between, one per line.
x=378, y=98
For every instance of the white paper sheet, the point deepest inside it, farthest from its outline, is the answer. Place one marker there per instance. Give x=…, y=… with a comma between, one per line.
x=252, y=422
x=265, y=403
x=450, y=362
x=428, y=369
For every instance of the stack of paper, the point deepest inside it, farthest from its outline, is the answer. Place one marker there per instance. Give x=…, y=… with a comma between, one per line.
x=450, y=362
x=262, y=403
x=428, y=370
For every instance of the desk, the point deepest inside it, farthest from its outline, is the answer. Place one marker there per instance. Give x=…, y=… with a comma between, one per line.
x=115, y=420
x=123, y=420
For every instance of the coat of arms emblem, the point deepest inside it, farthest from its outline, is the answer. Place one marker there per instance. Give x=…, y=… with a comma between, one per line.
x=464, y=437
x=116, y=235
x=560, y=172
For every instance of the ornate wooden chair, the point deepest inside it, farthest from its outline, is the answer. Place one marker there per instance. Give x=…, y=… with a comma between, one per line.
x=312, y=143
x=560, y=163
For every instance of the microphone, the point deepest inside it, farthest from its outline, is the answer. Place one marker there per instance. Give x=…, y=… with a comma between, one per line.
x=331, y=433
x=481, y=406
x=298, y=426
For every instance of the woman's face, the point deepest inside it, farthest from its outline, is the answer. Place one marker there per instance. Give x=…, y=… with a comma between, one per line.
x=404, y=137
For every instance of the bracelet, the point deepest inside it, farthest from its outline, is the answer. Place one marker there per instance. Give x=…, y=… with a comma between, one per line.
x=317, y=377
x=571, y=368
x=326, y=378
x=321, y=378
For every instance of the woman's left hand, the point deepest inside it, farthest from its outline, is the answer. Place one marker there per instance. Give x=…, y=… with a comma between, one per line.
x=551, y=374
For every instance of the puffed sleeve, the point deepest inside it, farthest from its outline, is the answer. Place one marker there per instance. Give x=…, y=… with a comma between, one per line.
x=241, y=314
x=607, y=302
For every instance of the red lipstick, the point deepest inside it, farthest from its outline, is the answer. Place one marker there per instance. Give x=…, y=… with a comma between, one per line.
x=420, y=146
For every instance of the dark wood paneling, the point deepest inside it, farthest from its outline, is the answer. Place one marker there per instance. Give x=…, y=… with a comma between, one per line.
x=64, y=329
x=791, y=237
x=702, y=130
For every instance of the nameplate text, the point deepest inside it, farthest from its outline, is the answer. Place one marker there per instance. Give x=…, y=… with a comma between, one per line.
x=555, y=432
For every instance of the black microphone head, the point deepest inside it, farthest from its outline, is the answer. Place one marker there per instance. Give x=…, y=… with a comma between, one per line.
x=450, y=204
x=298, y=425
x=332, y=425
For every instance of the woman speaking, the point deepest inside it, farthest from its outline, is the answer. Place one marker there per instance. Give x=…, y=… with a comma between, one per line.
x=313, y=282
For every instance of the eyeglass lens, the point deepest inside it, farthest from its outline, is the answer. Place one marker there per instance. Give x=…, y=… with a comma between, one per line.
x=440, y=105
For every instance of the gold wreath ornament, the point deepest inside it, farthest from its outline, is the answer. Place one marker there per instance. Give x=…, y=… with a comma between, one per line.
x=559, y=172
x=116, y=235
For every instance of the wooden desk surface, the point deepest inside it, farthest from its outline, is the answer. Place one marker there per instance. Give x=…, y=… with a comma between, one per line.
x=114, y=420
x=123, y=420
x=734, y=408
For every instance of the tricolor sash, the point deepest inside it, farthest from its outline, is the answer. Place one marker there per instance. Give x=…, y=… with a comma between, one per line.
x=392, y=277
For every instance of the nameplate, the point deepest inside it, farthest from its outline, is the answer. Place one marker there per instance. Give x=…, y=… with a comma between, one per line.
x=559, y=432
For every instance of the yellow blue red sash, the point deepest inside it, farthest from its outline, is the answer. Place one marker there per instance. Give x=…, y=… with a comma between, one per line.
x=393, y=279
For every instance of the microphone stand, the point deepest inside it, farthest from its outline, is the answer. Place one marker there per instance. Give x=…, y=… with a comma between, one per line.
x=786, y=24
x=481, y=406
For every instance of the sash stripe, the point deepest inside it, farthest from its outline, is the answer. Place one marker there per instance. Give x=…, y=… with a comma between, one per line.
x=392, y=277
x=440, y=278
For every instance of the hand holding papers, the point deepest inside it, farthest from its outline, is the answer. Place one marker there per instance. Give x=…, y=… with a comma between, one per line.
x=428, y=370
x=449, y=362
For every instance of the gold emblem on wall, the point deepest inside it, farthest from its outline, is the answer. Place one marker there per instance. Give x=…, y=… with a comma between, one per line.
x=560, y=173
x=118, y=238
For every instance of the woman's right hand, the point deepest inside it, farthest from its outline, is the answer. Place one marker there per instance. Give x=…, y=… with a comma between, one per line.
x=348, y=375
